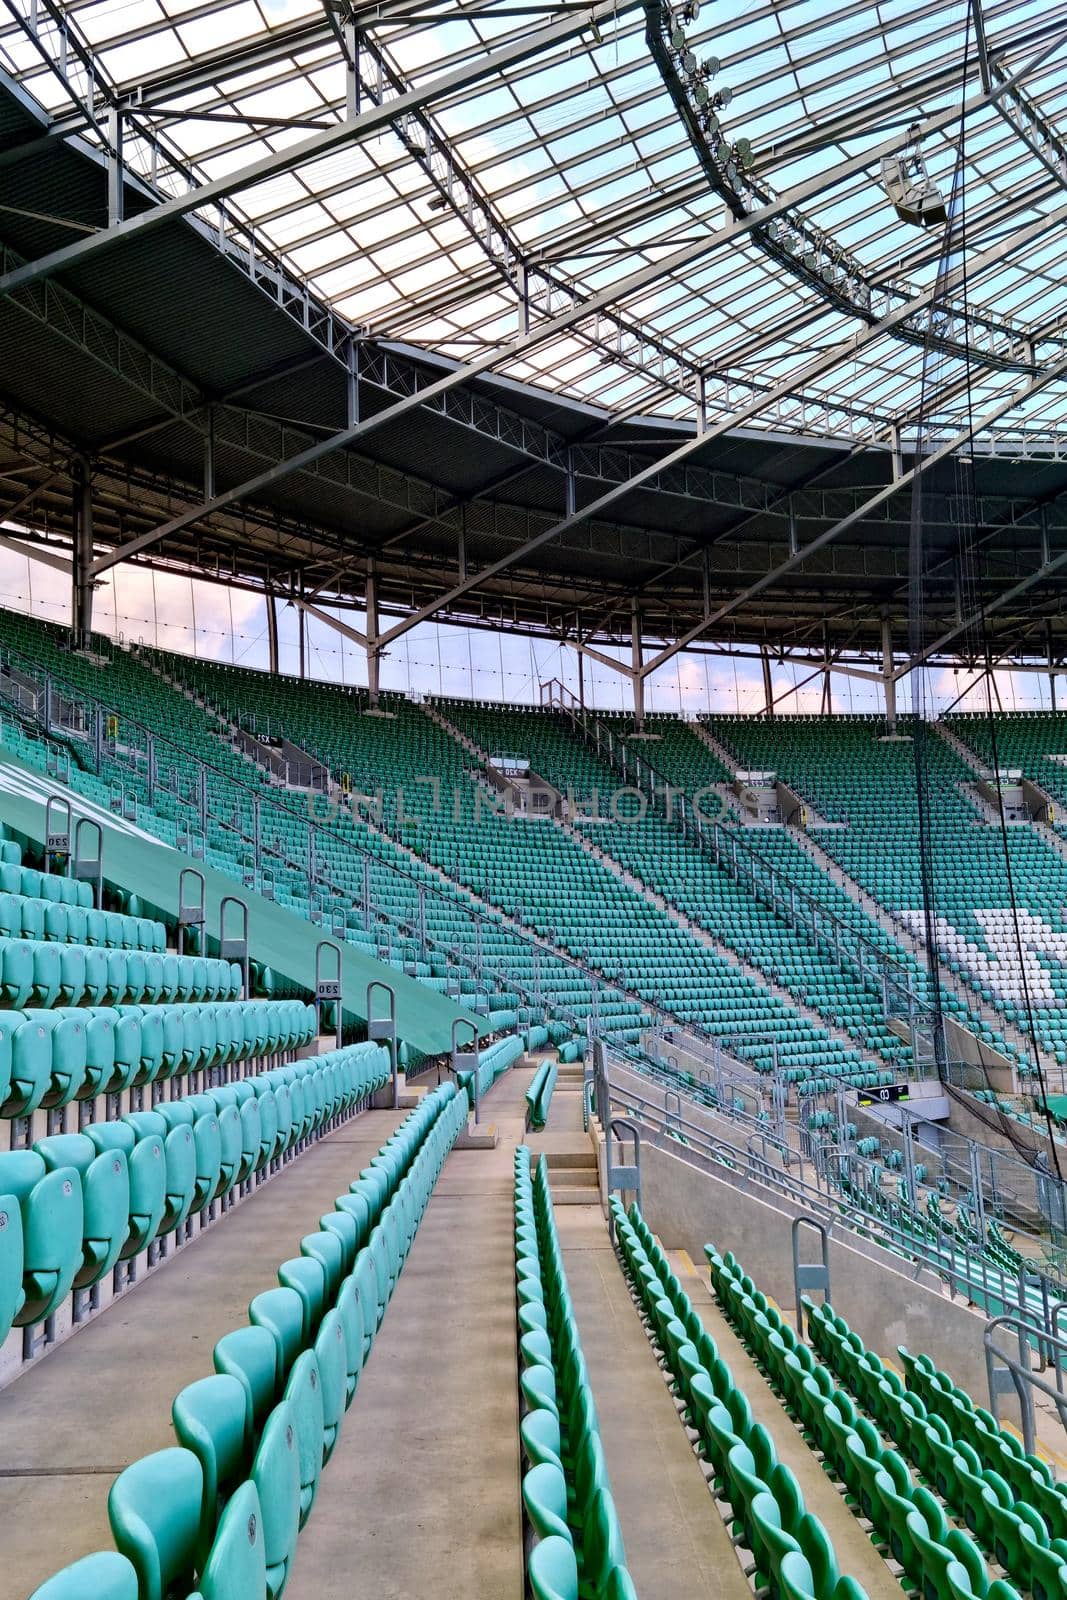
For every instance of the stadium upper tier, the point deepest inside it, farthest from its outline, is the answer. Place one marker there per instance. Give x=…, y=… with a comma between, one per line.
x=416, y=858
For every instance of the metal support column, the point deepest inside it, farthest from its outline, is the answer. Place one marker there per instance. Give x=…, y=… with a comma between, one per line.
x=82, y=596
x=373, y=648
x=768, y=692
x=302, y=626
x=115, y=172
x=889, y=683
x=636, y=663
x=271, y=601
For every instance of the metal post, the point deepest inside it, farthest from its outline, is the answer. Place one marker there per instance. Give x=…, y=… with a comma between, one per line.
x=810, y=1274
x=621, y=1177
x=234, y=946
x=328, y=986
x=383, y=1031
x=373, y=650
x=889, y=683
x=271, y=602
x=468, y=1060
x=768, y=692
x=57, y=832
x=366, y=894
x=88, y=863
x=115, y=173
x=636, y=663
x=82, y=595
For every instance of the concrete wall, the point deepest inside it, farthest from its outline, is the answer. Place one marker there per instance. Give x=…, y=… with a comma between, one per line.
x=885, y=1302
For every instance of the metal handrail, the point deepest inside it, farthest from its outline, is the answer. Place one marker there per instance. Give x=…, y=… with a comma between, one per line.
x=978, y=1279
x=1018, y=1371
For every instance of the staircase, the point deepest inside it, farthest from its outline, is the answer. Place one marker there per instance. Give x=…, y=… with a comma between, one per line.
x=719, y=751
x=964, y=751
x=905, y=937
x=755, y=974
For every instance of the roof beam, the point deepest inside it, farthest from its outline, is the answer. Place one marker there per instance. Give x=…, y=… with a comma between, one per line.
x=633, y=283
x=316, y=145
x=1054, y=374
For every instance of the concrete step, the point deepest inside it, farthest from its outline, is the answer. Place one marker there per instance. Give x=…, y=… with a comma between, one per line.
x=586, y=1194
x=571, y=1160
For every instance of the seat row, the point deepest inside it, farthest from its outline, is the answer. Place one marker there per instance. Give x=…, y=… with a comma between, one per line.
x=24, y=916
x=51, y=1058
x=42, y=972
x=496, y=1058
x=908, y=1520
x=1003, y=1515
x=539, y=1094
x=1000, y=1451
x=223, y=1509
x=80, y=1206
x=792, y=1551
x=576, y=1543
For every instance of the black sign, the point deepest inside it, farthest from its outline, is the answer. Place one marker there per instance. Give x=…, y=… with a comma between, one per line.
x=886, y=1095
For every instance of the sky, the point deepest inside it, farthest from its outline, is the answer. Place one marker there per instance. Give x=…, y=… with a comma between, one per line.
x=192, y=617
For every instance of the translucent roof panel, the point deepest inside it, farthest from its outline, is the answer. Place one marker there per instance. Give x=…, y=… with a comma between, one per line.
x=618, y=160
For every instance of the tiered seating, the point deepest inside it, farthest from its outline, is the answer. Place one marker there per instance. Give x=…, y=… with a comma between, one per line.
x=999, y=1451
x=539, y=1094
x=793, y=1555
x=577, y=1545
x=1031, y=742
x=1009, y=1501
x=688, y=876
x=855, y=777
x=494, y=1060
x=223, y=1510
x=908, y=1520
x=78, y=1206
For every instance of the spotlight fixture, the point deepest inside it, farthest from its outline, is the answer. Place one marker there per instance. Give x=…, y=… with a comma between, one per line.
x=915, y=196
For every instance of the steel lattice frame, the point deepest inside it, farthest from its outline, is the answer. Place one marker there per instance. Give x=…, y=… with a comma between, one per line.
x=515, y=188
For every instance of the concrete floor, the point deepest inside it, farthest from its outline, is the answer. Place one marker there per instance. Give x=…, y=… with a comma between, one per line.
x=677, y=1547
x=856, y=1554
x=422, y=1495
x=103, y=1398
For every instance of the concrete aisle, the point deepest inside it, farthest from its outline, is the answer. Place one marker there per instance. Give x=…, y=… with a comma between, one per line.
x=856, y=1554
x=422, y=1496
x=677, y=1547
x=103, y=1399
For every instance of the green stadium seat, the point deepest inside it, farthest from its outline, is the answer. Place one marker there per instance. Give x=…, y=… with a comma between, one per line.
x=105, y=1575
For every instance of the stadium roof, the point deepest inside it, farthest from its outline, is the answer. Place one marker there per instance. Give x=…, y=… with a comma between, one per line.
x=611, y=298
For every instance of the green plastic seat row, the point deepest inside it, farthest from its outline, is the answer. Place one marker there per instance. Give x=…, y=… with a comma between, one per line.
x=763, y=1494
x=52, y=1057
x=999, y=1452
x=76, y=1205
x=565, y=1489
x=1007, y=1527
x=42, y=972
x=44, y=916
x=222, y=1511
x=539, y=1094
x=908, y=1519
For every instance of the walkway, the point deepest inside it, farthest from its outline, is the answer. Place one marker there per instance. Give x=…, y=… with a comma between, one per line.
x=103, y=1399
